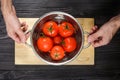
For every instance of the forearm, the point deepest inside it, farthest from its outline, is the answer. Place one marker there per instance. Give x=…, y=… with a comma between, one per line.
x=8, y=10
x=6, y=7
x=115, y=21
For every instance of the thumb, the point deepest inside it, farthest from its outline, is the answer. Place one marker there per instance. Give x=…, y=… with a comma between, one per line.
x=93, y=37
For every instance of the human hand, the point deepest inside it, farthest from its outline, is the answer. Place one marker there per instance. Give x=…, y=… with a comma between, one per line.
x=104, y=35
x=14, y=27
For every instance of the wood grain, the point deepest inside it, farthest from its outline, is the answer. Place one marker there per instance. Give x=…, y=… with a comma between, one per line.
x=107, y=58
x=24, y=55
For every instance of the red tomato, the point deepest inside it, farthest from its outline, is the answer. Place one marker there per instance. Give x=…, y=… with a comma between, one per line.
x=44, y=44
x=66, y=29
x=57, y=39
x=50, y=28
x=57, y=53
x=69, y=44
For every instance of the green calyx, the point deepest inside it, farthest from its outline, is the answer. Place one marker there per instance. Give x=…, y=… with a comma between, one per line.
x=66, y=27
x=50, y=29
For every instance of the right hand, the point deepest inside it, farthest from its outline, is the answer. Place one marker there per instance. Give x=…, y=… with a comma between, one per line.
x=104, y=35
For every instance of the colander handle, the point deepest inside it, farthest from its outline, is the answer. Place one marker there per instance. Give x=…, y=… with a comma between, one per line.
x=87, y=45
x=26, y=43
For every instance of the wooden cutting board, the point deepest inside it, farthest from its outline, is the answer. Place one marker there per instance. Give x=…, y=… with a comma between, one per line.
x=24, y=55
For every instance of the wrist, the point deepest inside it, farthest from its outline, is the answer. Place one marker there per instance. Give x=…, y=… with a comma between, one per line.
x=115, y=21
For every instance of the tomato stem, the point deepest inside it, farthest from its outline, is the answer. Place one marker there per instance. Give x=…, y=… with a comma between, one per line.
x=56, y=55
x=66, y=27
x=42, y=35
x=62, y=42
x=50, y=29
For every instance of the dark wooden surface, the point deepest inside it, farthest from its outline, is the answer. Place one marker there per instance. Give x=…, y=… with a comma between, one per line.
x=107, y=58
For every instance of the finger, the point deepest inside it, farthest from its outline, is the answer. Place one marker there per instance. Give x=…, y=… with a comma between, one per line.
x=21, y=35
x=93, y=37
x=96, y=27
x=27, y=35
x=93, y=29
x=17, y=39
x=14, y=36
x=24, y=28
x=23, y=23
x=93, y=44
x=98, y=44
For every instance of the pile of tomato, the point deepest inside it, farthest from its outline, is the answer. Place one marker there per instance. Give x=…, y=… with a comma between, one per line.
x=58, y=39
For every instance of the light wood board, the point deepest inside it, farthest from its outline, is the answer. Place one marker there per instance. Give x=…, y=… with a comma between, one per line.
x=24, y=55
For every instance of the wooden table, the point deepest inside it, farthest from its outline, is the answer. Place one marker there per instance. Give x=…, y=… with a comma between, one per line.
x=107, y=58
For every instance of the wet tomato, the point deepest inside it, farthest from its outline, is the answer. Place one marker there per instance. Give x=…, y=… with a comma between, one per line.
x=57, y=39
x=50, y=28
x=57, y=53
x=66, y=29
x=45, y=44
x=69, y=44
